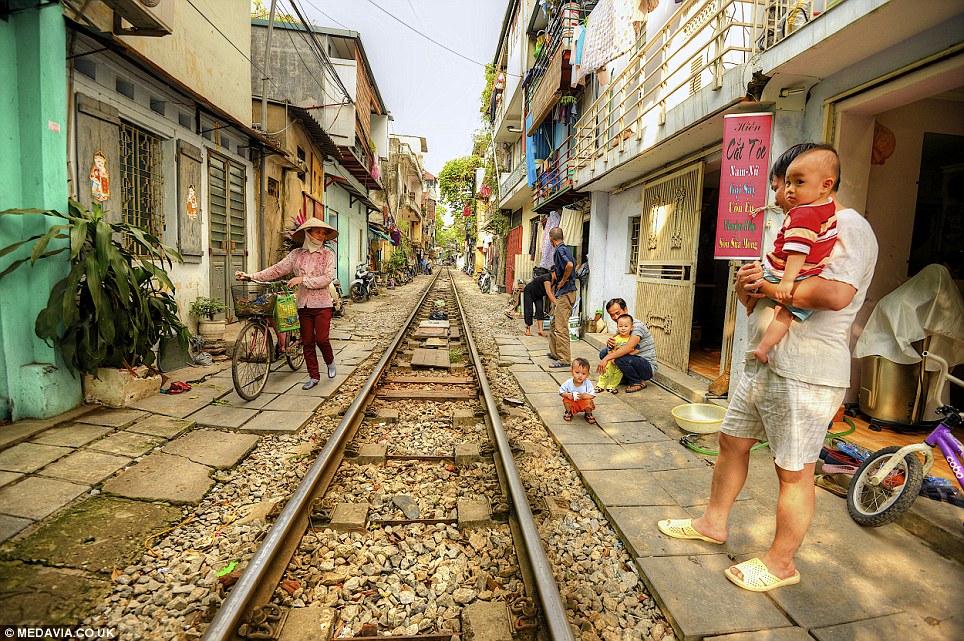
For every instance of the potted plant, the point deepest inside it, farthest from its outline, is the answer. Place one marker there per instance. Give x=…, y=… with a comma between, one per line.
x=113, y=306
x=205, y=309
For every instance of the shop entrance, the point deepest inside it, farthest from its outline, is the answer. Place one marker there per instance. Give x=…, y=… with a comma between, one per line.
x=710, y=310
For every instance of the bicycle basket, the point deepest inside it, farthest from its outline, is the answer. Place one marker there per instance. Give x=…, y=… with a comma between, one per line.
x=252, y=300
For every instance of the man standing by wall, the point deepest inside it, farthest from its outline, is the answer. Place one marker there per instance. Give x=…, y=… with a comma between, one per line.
x=790, y=400
x=563, y=265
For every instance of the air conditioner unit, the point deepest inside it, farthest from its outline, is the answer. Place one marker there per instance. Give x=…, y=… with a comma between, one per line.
x=142, y=17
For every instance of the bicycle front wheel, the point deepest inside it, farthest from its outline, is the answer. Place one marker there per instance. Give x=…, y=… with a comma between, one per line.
x=875, y=505
x=252, y=360
x=294, y=353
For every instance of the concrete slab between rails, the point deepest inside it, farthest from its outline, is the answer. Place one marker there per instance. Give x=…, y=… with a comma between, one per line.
x=699, y=601
x=163, y=477
x=486, y=621
x=473, y=514
x=349, y=517
x=314, y=623
x=467, y=453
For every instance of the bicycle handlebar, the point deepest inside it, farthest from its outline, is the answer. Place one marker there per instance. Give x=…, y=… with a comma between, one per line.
x=942, y=374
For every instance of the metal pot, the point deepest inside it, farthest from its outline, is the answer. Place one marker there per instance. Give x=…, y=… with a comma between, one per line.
x=890, y=392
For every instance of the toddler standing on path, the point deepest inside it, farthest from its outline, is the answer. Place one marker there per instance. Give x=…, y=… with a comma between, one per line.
x=578, y=393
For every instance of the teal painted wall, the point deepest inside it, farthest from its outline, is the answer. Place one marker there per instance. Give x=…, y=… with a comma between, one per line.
x=33, y=174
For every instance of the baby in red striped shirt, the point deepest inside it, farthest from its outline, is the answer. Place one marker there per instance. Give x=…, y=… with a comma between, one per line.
x=805, y=241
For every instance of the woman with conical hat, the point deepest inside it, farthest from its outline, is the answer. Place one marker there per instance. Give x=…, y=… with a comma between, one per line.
x=313, y=266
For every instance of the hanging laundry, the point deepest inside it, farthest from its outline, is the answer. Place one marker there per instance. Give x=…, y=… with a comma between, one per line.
x=531, y=173
x=548, y=251
x=611, y=31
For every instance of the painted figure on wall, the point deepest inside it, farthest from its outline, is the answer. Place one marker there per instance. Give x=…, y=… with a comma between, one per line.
x=100, y=178
x=193, y=208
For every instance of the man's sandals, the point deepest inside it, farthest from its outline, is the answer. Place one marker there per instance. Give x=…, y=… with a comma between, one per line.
x=754, y=575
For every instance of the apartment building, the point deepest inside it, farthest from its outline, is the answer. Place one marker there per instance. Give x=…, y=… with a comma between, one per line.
x=882, y=80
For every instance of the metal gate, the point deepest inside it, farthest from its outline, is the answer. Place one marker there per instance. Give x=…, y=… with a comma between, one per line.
x=226, y=202
x=666, y=272
x=513, y=247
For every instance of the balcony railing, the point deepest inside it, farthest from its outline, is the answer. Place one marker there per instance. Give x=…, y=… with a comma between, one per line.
x=512, y=179
x=780, y=18
x=697, y=45
x=556, y=175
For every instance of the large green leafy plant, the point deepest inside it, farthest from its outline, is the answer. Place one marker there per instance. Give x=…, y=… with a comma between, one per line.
x=116, y=301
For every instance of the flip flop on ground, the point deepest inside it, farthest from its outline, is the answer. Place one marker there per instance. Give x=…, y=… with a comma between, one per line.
x=757, y=578
x=559, y=365
x=567, y=416
x=683, y=529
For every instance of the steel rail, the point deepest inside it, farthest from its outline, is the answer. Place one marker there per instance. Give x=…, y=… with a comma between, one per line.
x=552, y=606
x=232, y=610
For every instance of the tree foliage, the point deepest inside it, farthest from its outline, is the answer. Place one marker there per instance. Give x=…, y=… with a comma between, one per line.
x=262, y=11
x=456, y=183
x=486, y=96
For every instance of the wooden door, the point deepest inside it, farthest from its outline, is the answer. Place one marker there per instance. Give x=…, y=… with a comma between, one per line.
x=513, y=246
x=666, y=271
x=228, y=240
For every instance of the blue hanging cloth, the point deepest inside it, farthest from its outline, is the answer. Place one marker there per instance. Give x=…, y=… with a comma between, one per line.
x=530, y=154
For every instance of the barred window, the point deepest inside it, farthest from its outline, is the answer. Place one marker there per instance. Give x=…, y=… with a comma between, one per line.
x=142, y=180
x=633, y=244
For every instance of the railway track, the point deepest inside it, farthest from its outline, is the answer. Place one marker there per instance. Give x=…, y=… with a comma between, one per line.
x=417, y=485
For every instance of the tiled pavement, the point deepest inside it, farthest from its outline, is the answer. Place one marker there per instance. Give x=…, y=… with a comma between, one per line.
x=857, y=584
x=177, y=441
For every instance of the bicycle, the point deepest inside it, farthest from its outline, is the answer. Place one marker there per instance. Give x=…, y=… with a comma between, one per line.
x=887, y=483
x=254, y=350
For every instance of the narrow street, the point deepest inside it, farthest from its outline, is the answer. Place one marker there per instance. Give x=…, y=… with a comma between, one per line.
x=595, y=320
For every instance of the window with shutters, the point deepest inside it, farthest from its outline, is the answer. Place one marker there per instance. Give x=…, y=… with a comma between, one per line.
x=141, y=177
x=227, y=197
x=633, y=244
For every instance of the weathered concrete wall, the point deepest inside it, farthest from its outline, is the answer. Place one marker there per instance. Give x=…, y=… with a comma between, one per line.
x=208, y=58
x=33, y=173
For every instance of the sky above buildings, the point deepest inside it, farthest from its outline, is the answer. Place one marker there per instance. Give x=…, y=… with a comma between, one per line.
x=431, y=92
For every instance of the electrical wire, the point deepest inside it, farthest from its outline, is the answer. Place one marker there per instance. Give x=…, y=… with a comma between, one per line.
x=318, y=9
x=309, y=43
x=431, y=39
x=311, y=73
x=332, y=72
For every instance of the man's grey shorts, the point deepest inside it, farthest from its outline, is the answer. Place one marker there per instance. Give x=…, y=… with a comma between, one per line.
x=791, y=415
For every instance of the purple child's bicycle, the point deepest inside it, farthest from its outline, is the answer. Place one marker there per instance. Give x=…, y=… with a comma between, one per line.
x=888, y=482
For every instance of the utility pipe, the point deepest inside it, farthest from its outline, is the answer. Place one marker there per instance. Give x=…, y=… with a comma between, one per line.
x=263, y=241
